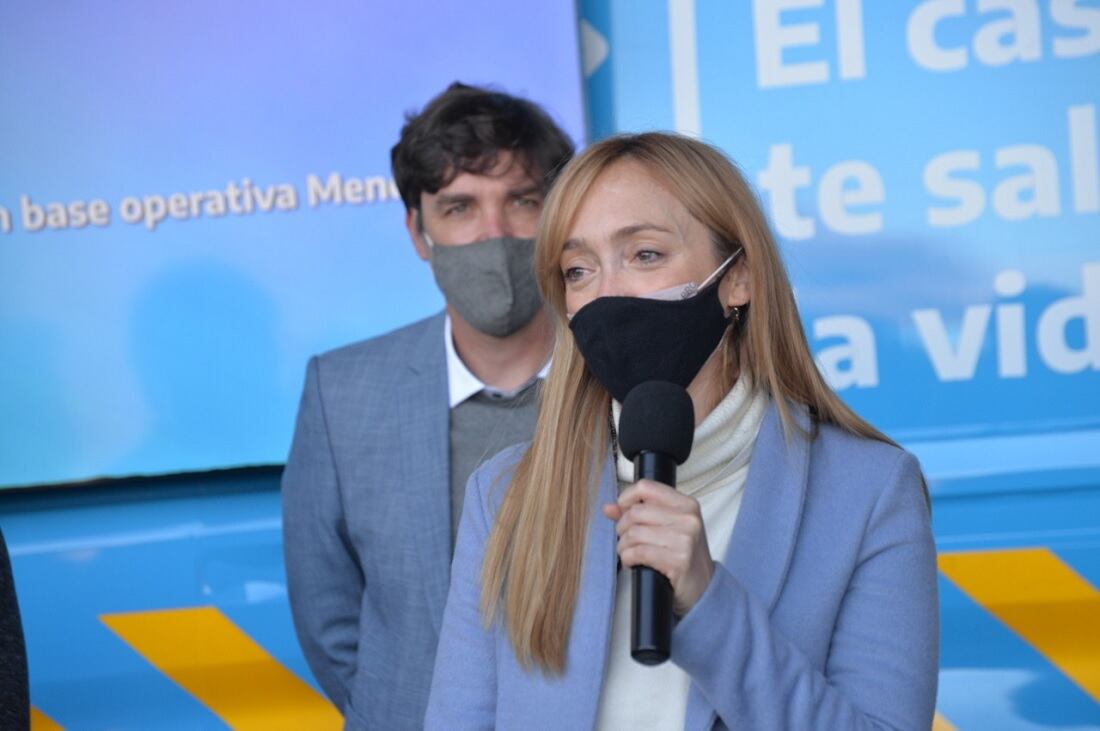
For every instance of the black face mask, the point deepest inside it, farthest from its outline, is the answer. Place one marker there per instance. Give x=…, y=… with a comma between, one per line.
x=629, y=340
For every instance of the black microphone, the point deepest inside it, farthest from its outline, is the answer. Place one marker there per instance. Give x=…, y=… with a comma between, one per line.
x=656, y=428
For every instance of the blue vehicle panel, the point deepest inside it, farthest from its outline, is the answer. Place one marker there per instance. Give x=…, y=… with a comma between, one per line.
x=81, y=554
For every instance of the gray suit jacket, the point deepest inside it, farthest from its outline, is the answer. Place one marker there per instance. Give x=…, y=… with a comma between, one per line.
x=822, y=614
x=366, y=522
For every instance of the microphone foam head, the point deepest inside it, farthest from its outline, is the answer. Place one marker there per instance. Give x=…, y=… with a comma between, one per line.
x=657, y=416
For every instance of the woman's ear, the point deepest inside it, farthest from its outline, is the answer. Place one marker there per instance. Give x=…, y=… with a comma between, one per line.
x=735, y=288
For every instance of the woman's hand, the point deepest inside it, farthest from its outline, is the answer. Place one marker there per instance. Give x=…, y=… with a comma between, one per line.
x=663, y=529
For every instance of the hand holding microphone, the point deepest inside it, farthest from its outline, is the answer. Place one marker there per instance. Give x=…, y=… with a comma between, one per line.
x=661, y=532
x=677, y=545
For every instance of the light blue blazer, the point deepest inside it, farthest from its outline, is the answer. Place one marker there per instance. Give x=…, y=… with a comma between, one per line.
x=823, y=613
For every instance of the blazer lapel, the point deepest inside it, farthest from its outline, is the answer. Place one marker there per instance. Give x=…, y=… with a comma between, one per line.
x=425, y=443
x=763, y=539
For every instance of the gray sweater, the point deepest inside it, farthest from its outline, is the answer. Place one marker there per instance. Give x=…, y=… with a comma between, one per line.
x=481, y=426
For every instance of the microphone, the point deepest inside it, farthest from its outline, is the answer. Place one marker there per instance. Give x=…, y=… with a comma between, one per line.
x=656, y=428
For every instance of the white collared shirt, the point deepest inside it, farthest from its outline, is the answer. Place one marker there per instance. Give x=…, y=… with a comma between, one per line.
x=461, y=382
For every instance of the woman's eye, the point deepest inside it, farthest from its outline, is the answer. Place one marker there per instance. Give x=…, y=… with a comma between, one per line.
x=572, y=274
x=648, y=256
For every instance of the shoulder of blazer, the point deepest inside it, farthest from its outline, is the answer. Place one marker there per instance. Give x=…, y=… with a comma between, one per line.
x=418, y=346
x=855, y=466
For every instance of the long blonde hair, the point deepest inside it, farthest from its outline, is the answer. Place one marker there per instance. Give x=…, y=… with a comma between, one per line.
x=533, y=560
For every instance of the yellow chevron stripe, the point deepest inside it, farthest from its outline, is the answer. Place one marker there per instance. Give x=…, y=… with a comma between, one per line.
x=1040, y=598
x=210, y=657
x=939, y=723
x=41, y=722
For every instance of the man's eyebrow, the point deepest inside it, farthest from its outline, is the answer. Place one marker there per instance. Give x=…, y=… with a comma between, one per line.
x=446, y=199
x=525, y=190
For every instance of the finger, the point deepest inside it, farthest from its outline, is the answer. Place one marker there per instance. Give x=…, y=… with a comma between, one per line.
x=650, y=492
x=644, y=535
x=644, y=554
x=671, y=559
x=646, y=514
x=613, y=511
x=676, y=548
x=689, y=524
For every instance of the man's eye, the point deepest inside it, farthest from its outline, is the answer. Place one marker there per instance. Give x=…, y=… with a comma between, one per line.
x=528, y=202
x=456, y=209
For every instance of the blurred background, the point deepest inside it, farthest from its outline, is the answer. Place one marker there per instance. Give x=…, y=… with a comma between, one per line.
x=194, y=198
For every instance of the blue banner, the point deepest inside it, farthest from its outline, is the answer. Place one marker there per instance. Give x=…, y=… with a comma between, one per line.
x=196, y=197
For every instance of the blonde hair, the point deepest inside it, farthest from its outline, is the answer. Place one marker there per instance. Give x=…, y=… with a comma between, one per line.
x=533, y=559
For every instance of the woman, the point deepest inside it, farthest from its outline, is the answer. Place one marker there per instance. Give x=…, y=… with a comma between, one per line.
x=797, y=545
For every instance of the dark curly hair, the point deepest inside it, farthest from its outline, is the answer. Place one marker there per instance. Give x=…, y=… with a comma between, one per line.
x=463, y=130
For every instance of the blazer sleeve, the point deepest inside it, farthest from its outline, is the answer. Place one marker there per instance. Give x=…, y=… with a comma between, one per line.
x=463, y=694
x=881, y=671
x=324, y=579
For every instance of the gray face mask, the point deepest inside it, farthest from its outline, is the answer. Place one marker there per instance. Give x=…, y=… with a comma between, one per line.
x=490, y=283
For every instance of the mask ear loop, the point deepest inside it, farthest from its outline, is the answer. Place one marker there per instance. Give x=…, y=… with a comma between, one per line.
x=691, y=290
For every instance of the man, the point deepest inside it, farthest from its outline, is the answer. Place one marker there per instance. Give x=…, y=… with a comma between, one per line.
x=389, y=429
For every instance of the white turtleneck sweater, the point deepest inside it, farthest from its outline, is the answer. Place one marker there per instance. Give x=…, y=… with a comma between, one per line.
x=640, y=696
